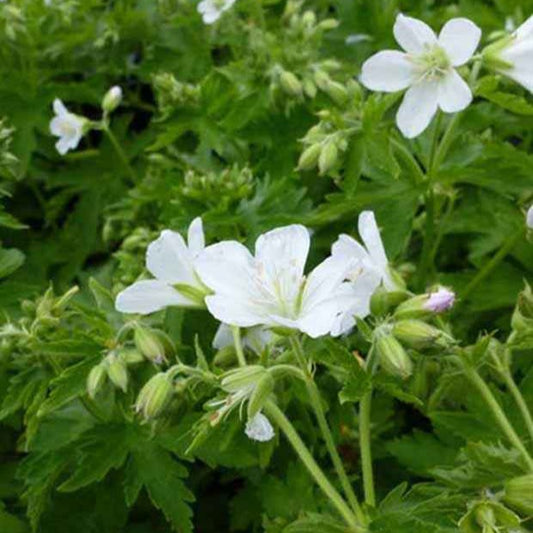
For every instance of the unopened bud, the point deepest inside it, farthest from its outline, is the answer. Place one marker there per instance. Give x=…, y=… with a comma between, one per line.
x=519, y=494
x=154, y=396
x=242, y=378
x=309, y=19
x=149, y=344
x=383, y=301
x=419, y=335
x=321, y=78
x=393, y=358
x=112, y=99
x=96, y=379
x=290, y=83
x=426, y=305
x=328, y=157
x=337, y=92
x=262, y=390
x=131, y=356
x=328, y=24
x=225, y=357
x=309, y=88
x=117, y=371
x=522, y=319
x=489, y=517
x=309, y=157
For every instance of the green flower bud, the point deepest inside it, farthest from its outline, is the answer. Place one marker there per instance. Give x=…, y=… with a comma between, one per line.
x=309, y=157
x=382, y=301
x=392, y=357
x=154, y=396
x=225, y=357
x=522, y=320
x=337, y=92
x=309, y=87
x=328, y=24
x=242, y=378
x=149, y=344
x=112, y=99
x=519, y=494
x=328, y=157
x=309, y=19
x=117, y=371
x=322, y=80
x=489, y=517
x=263, y=389
x=419, y=335
x=426, y=305
x=290, y=83
x=96, y=379
x=131, y=356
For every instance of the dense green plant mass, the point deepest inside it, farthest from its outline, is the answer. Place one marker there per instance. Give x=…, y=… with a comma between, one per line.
x=411, y=412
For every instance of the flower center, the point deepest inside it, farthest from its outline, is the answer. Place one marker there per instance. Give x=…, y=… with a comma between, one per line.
x=67, y=128
x=433, y=63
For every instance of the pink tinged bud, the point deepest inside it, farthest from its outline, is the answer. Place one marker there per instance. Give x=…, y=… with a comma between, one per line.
x=440, y=301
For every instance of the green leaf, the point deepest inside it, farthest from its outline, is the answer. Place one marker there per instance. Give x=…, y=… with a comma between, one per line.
x=10, y=260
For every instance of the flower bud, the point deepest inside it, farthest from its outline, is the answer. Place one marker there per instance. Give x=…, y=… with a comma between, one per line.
x=519, y=494
x=242, y=378
x=259, y=428
x=225, y=357
x=522, y=319
x=154, y=396
x=262, y=390
x=419, y=335
x=112, y=99
x=309, y=19
x=426, y=305
x=309, y=157
x=328, y=24
x=337, y=92
x=290, y=83
x=328, y=157
x=131, y=356
x=149, y=344
x=489, y=517
x=382, y=300
x=392, y=357
x=117, y=371
x=321, y=78
x=96, y=379
x=309, y=87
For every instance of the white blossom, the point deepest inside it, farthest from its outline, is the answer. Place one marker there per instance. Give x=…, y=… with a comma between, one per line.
x=514, y=55
x=211, y=10
x=425, y=69
x=270, y=288
x=369, y=270
x=440, y=300
x=67, y=126
x=259, y=428
x=529, y=218
x=171, y=261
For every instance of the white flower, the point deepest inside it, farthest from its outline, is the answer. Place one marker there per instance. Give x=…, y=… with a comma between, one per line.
x=514, y=55
x=170, y=261
x=259, y=428
x=256, y=338
x=440, y=300
x=211, y=10
x=67, y=126
x=270, y=289
x=426, y=70
x=369, y=270
x=529, y=218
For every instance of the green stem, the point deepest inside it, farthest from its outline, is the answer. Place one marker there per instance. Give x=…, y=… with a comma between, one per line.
x=492, y=264
x=366, y=450
x=121, y=155
x=316, y=403
x=277, y=416
x=520, y=401
x=237, y=341
x=499, y=415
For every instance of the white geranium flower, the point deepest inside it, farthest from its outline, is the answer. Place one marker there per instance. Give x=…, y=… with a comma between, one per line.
x=259, y=428
x=270, y=289
x=67, y=126
x=529, y=218
x=171, y=262
x=513, y=55
x=426, y=70
x=211, y=10
x=370, y=268
x=256, y=339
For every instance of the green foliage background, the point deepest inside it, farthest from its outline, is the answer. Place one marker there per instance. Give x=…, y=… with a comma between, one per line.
x=209, y=130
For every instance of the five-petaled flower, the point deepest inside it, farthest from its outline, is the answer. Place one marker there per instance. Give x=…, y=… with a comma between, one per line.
x=426, y=70
x=211, y=10
x=171, y=262
x=370, y=269
x=67, y=126
x=270, y=289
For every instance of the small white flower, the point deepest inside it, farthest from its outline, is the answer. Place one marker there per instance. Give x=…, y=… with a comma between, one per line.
x=256, y=338
x=440, y=300
x=370, y=269
x=270, y=289
x=426, y=70
x=259, y=428
x=67, y=126
x=211, y=10
x=514, y=55
x=529, y=218
x=170, y=261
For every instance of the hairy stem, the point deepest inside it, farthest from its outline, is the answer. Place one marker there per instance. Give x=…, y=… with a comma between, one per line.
x=316, y=403
x=276, y=415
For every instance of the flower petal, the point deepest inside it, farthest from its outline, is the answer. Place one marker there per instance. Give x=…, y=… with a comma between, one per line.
x=319, y=321
x=148, y=296
x=195, y=237
x=418, y=107
x=525, y=30
x=459, y=37
x=59, y=108
x=413, y=35
x=234, y=311
x=169, y=259
x=281, y=255
x=387, y=71
x=454, y=93
x=259, y=428
x=368, y=229
x=347, y=247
